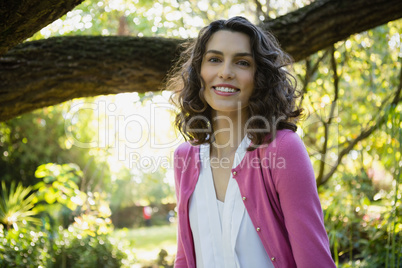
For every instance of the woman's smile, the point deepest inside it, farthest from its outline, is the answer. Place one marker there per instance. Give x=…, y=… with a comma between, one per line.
x=225, y=90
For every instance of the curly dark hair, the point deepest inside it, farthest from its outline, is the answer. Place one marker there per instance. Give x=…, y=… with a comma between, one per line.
x=273, y=97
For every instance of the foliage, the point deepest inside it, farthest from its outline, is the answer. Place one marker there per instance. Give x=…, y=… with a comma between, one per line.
x=76, y=248
x=84, y=244
x=357, y=225
x=166, y=18
x=23, y=248
x=66, y=248
x=28, y=141
x=143, y=188
x=16, y=206
x=169, y=18
x=40, y=137
x=363, y=212
x=59, y=190
x=60, y=184
x=346, y=90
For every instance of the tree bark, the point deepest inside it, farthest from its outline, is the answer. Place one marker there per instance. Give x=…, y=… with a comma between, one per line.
x=46, y=72
x=43, y=73
x=323, y=23
x=20, y=19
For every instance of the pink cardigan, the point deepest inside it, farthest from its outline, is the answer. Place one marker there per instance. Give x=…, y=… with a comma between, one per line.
x=278, y=186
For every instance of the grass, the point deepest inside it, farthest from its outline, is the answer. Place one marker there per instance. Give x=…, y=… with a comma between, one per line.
x=146, y=242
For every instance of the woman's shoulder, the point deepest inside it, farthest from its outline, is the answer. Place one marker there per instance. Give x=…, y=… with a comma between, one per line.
x=185, y=148
x=287, y=135
x=186, y=158
x=283, y=140
x=288, y=143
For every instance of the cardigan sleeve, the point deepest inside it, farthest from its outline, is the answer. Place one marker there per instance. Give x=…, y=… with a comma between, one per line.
x=180, y=260
x=296, y=187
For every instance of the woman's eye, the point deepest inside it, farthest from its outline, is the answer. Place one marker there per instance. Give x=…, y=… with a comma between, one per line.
x=214, y=60
x=244, y=63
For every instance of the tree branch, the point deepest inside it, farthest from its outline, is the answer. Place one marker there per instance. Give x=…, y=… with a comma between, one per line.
x=64, y=68
x=261, y=12
x=47, y=72
x=382, y=119
x=20, y=19
x=310, y=71
x=325, y=22
x=327, y=123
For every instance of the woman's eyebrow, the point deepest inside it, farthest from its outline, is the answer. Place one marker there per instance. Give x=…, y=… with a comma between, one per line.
x=240, y=54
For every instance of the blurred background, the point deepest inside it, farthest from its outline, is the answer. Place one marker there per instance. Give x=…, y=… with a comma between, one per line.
x=89, y=182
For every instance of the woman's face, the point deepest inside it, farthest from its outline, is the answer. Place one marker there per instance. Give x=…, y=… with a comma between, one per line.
x=228, y=69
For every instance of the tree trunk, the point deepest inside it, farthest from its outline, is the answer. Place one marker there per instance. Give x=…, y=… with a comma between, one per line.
x=39, y=74
x=46, y=72
x=323, y=23
x=20, y=19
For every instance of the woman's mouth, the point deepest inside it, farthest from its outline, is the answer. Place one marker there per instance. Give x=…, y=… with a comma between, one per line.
x=225, y=91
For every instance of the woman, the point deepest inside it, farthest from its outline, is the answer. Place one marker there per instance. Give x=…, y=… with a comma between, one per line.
x=245, y=186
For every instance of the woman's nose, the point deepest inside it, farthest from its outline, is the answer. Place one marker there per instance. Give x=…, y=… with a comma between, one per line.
x=226, y=72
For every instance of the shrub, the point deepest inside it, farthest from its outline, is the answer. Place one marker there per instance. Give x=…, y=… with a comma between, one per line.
x=66, y=248
x=23, y=248
x=361, y=223
x=75, y=250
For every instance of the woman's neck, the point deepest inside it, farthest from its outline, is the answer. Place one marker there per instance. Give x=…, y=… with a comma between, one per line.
x=228, y=132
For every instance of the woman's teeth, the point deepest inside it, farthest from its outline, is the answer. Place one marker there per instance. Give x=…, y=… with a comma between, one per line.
x=225, y=89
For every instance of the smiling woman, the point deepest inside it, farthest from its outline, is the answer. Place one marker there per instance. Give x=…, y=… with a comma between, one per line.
x=247, y=53
x=245, y=186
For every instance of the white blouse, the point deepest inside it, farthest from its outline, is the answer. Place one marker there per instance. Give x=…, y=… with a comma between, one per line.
x=223, y=233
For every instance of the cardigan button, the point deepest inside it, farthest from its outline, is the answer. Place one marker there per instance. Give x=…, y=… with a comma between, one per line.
x=258, y=229
x=273, y=259
x=244, y=198
x=234, y=173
